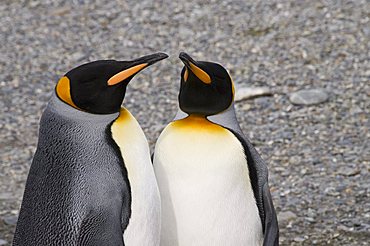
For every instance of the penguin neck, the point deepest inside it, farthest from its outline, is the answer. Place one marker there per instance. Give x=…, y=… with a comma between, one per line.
x=196, y=119
x=225, y=118
x=57, y=106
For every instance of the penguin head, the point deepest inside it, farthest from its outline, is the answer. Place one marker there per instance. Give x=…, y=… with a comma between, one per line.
x=206, y=87
x=99, y=87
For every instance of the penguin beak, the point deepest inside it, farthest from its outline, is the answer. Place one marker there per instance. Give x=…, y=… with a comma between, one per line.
x=193, y=66
x=136, y=66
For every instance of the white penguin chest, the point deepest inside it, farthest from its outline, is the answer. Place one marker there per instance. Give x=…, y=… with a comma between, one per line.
x=144, y=224
x=203, y=177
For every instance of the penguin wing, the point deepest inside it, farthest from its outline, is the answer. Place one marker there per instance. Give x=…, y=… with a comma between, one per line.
x=258, y=173
x=271, y=228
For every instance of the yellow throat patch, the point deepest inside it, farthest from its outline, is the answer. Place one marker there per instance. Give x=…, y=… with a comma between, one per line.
x=197, y=123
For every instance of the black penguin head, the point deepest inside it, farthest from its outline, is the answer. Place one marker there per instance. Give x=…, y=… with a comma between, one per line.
x=206, y=87
x=99, y=87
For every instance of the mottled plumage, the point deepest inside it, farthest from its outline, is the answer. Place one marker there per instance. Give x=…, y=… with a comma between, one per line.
x=77, y=192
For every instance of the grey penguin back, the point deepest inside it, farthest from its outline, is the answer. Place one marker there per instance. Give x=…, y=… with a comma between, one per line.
x=76, y=191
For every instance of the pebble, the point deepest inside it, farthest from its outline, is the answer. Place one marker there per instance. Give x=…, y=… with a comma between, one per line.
x=10, y=220
x=299, y=239
x=78, y=56
x=308, y=97
x=310, y=219
x=286, y=216
x=6, y=196
x=245, y=93
x=349, y=171
x=344, y=228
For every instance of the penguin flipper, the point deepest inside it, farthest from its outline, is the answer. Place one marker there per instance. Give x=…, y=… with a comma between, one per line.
x=271, y=228
x=270, y=223
x=98, y=228
x=125, y=217
x=258, y=173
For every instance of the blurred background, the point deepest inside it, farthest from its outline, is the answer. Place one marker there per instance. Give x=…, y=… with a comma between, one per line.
x=302, y=74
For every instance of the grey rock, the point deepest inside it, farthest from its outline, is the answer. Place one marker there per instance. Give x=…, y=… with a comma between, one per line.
x=344, y=228
x=286, y=216
x=336, y=235
x=263, y=102
x=6, y=196
x=331, y=191
x=308, y=97
x=349, y=171
x=310, y=219
x=78, y=56
x=3, y=242
x=10, y=220
x=299, y=239
x=244, y=93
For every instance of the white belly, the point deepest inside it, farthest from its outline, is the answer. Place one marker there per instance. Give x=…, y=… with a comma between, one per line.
x=207, y=198
x=144, y=225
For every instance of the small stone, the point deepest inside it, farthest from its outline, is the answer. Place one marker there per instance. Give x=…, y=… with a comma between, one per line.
x=61, y=11
x=348, y=171
x=244, y=93
x=15, y=82
x=331, y=191
x=10, y=220
x=78, y=56
x=286, y=216
x=308, y=97
x=246, y=107
x=263, y=102
x=343, y=228
x=3, y=242
x=310, y=219
x=6, y=196
x=299, y=239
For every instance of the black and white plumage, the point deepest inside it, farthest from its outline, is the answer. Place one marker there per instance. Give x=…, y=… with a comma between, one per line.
x=259, y=176
x=213, y=183
x=91, y=181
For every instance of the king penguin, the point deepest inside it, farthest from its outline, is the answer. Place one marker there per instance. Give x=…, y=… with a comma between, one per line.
x=91, y=181
x=213, y=183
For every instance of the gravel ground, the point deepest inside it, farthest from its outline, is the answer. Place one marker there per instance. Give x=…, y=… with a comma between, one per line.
x=318, y=155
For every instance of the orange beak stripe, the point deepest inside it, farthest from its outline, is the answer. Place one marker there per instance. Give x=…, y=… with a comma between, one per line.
x=121, y=76
x=203, y=76
x=186, y=74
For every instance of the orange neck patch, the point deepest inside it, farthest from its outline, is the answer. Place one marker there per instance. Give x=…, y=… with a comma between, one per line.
x=233, y=89
x=196, y=123
x=63, y=91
